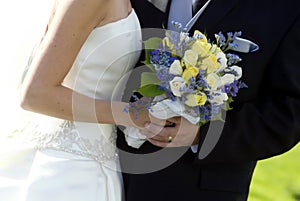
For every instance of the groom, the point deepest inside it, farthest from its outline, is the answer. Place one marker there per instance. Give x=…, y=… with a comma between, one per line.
x=265, y=120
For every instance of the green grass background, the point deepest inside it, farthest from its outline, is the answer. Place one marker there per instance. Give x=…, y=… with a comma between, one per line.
x=277, y=178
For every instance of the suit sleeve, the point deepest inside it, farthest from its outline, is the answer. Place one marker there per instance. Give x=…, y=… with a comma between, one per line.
x=267, y=126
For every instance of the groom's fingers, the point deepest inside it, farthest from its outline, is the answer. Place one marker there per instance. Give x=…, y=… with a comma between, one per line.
x=159, y=133
x=175, y=120
x=156, y=121
x=159, y=143
x=161, y=130
x=182, y=134
x=154, y=134
x=154, y=128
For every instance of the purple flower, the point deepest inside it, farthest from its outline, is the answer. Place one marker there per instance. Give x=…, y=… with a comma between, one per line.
x=232, y=89
x=161, y=57
x=232, y=59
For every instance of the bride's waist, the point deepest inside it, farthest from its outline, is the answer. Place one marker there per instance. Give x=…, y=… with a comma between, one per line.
x=96, y=141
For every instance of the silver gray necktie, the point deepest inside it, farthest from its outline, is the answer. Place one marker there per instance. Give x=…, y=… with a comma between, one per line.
x=180, y=11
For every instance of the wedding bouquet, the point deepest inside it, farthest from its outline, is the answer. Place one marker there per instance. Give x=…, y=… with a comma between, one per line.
x=190, y=76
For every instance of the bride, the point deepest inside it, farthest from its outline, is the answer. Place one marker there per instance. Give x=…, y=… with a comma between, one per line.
x=75, y=81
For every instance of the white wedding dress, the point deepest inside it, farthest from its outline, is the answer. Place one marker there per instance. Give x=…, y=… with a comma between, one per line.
x=59, y=160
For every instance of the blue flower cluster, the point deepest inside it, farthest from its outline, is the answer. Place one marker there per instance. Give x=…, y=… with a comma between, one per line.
x=161, y=58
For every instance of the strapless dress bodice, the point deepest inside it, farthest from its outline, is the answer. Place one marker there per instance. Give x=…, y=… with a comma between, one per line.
x=99, y=71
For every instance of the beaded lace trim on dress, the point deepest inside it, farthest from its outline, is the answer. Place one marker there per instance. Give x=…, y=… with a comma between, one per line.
x=68, y=140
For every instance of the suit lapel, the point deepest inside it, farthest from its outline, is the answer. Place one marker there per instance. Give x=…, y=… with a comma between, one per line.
x=215, y=11
x=160, y=4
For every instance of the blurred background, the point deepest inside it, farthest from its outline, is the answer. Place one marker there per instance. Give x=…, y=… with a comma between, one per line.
x=277, y=178
x=23, y=22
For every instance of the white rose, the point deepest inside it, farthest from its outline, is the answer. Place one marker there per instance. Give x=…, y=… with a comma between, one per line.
x=218, y=97
x=221, y=57
x=176, y=68
x=176, y=85
x=190, y=57
x=226, y=79
x=238, y=71
x=213, y=80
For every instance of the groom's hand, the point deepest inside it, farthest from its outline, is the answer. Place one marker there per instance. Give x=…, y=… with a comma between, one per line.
x=178, y=132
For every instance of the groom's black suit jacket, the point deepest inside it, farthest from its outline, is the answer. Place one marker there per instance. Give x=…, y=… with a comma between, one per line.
x=265, y=120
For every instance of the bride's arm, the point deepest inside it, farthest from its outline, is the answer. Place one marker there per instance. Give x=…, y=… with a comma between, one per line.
x=42, y=90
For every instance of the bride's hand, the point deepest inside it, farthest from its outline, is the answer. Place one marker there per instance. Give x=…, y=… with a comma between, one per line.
x=181, y=133
x=140, y=115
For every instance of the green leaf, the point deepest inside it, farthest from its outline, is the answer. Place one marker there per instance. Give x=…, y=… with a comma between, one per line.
x=150, y=90
x=227, y=104
x=149, y=65
x=152, y=43
x=149, y=78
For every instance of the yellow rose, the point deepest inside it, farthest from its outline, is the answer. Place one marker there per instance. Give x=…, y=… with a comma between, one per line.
x=202, y=48
x=195, y=99
x=190, y=57
x=215, y=49
x=210, y=64
x=190, y=72
x=167, y=43
x=200, y=35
